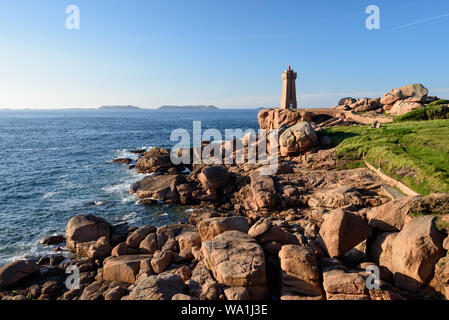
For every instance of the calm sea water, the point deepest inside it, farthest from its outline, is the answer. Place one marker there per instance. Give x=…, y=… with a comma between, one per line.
x=56, y=164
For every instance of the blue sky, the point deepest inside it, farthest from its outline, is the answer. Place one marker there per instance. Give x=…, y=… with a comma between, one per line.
x=227, y=53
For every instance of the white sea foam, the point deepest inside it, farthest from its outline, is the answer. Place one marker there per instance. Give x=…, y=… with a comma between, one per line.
x=117, y=188
x=131, y=217
x=128, y=199
x=49, y=195
x=188, y=210
x=124, y=153
x=100, y=203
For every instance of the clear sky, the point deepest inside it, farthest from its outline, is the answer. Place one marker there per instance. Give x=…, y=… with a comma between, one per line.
x=229, y=53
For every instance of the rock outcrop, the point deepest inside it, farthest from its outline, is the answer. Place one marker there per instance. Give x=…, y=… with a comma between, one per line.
x=160, y=287
x=415, y=251
x=342, y=231
x=300, y=276
x=298, y=138
x=123, y=268
x=13, y=272
x=210, y=228
x=214, y=177
x=391, y=216
x=161, y=188
x=407, y=98
x=275, y=118
x=263, y=191
x=84, y=230
x=157, y=160
x=235, y=259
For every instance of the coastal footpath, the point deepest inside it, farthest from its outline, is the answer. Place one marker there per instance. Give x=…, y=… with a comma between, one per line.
x=323, y=226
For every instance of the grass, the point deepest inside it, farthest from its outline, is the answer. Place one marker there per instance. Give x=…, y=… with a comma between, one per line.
x=415, y=152
x=435, y=110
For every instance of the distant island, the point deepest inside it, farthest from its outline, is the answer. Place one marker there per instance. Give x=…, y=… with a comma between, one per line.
x=187, y=107
x=119, y=108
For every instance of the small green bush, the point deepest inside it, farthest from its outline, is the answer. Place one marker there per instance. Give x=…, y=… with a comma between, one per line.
x=415, y=115
x=431, y=112
x=438, y=102
x=437, y=112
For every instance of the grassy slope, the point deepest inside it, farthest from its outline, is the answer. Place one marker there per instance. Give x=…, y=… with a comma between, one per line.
x=416, y=153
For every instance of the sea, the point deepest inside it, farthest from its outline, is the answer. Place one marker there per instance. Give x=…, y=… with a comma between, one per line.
x=55, y=164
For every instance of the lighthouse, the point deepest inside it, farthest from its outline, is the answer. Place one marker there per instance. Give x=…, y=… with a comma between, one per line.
x=289, y=89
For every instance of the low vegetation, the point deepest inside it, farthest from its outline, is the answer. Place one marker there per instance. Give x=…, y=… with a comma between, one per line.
x=414, y=152
x=434, y=111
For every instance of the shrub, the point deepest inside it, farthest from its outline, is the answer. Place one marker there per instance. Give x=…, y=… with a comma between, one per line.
x=431, y=112
x=438, y=102
x=415, y=115
x=438, y=112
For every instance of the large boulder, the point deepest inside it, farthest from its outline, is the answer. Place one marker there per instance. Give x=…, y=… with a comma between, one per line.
x=51, y=240
x=160, y=287
x=13, y=272
x=342, y=231
x=342, y=284
x=263, y=191
x=161, y=260
x=298, y=138
x=415, y=251
x=215, y=177
x=405, y=99
x=401, y=107
x=235, y=259
x=154, y=160
x=85, y=229
x=161, y=188
x=202, y=285
x=275, y=234
x=380, y=248
x=137, y=236
x=95, y=291
x=275, y=118
x=346, y=101
x=212, y=227
x=365, y=104
x=187, y=241
x=149, y=244
x=100, y=249
x=260, y=227
x=416, y=91
x=300, y=275
x=170, y=232
x=391, y=215
x=123, y=268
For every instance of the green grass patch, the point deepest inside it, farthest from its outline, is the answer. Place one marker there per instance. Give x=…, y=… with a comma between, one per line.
x=434, y=111
x=438, y=102
x=350, y=164
x=415, y=153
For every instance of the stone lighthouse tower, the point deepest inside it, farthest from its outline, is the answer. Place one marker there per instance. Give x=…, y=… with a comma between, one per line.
x=289, y=89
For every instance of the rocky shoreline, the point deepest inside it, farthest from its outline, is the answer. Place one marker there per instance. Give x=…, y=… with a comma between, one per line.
x=309, y=231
